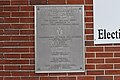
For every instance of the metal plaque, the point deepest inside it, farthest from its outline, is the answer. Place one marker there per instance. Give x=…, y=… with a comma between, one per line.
x=59, y=37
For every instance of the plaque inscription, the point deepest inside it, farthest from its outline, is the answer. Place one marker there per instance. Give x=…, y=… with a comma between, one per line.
x=59, y=38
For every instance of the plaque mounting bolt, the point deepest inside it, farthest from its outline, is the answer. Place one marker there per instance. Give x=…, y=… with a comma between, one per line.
x=80, y=67
x=38, y=68
x=38, y=9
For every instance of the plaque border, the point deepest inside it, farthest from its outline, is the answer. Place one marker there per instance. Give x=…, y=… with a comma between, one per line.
x=83, y=70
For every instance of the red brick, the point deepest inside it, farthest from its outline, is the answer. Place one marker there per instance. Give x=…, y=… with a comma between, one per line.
x=32, y=73
x=26, y=20
x=112, y=72
x=11, y=55
x=88, y=7
x=89, y=66
x=75, y=2
x=1, y=67
x=34, y=78
x=1, y=8
x=85, y=78
x=16, y=73
x=95, y=60
x=67, y=78
x=16, y=62
x=2, y=2
x=31, y=14
x=76, y=73
x=95, y=72
x=117, y=77
x=4, y=26
x=57, y=74
x=89, y=13
x=5, y=50
x=89, y=19
x=20, y=26
x=27, y=55
x=26, y=32
x=117, y=66
x=89, y=43
x=12, y=67
x=29, y=78
x=25, y=78
x=104, y=77
x=89, y=25
x=32, y=61
x=88, y=1
x=2, y=61
x=4, y=14
x=19, y=2
x=32, y=26
x=89, y=37
x=88, y=55
x=11, y=32
x=116, y=54
x=8, y=44
x=1, y=55
x=38, y=2
x=26, y=44
x=104, y=54
x=12, y=78
x=32, y=49
x=112, y=48
x=20, y=38
x=11, y=20
x=11, y=8
x=56, y=1
x=20, y=14
x=20, y=50
x=94, y=49
x=5, y=38
x=103, y=44
x=1, y=32
x=104, y=66
x=5, y=73
x=14, y=49
x=32, y=38
x=27, y=8
x=27, y=67
x=1, y=20
x=88, y=31
x=1, y=45
x=1, y=78
x=112, y=60
x=48, y=78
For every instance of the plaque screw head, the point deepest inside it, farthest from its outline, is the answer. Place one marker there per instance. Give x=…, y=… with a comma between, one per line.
x=80, y=67
x=38, y=9
x=38, y=68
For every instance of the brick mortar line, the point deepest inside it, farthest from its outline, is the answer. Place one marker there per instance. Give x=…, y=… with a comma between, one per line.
x=18, y=17
x=18, y=29
x=17, y=23
x=66, y=2
x=47, y=1
x=88, y=4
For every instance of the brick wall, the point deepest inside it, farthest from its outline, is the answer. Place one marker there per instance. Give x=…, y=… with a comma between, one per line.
x=17, y=54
